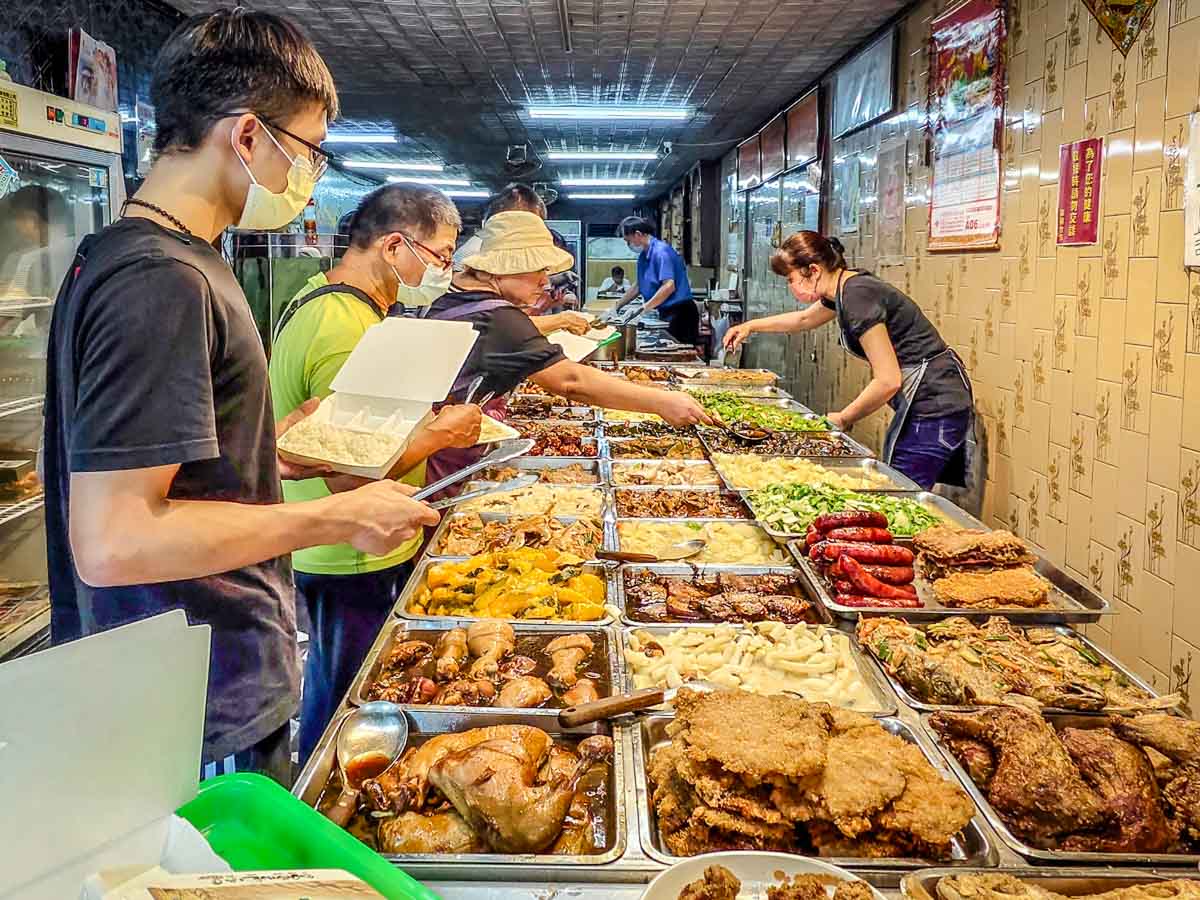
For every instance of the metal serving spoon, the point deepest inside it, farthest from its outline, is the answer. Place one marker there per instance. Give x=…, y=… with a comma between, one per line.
x=369, y=740
x=673, y=553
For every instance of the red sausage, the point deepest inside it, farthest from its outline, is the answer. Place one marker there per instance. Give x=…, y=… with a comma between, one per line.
x=817, y=550
x=851, y=518
x=860, y=535
x=888, y=602
x=813, y=537
x=844, y=587
x=886, y=574
x=878, y=554
x=869, y=585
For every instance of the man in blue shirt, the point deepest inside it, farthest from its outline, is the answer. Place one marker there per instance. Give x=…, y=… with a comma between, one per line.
x=662, y=280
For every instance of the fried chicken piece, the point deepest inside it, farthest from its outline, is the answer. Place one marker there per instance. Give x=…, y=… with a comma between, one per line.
x=750, y=734
x=718, y=883
x=1176, y=738
x=1021, y=587
x=1122, y=776
x=1182, y=796
x=798, y=887
x=976, y=758
x=853, y=890
x=1036, y=788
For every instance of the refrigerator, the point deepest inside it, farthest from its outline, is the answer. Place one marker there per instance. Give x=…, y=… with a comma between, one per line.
x=60, y=179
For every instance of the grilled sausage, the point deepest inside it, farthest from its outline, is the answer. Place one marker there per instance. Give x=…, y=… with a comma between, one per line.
x=813, y=537
x=877, y=554
x=860, y=535
x=870, y=586
x=817, y=551
x=886, y=574
x=888, y=602
x=851, y=518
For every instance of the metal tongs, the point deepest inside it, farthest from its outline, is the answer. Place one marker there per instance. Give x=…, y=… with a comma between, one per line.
x=503, y=452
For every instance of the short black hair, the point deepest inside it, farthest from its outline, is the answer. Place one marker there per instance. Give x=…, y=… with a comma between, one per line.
x=415, y=209
x=633, y=224
x=515, y=196
x=617, y=270
x=233, y=60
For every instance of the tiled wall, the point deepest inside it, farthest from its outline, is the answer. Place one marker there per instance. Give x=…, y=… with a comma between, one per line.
x=1085, y=361
x=33, y=41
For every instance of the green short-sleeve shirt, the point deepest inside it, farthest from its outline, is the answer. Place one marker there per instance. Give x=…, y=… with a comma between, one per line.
x=310, y=351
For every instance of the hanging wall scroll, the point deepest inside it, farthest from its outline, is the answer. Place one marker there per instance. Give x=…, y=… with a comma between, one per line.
x=1122, y=22
x=889, y=227
x=966, y=111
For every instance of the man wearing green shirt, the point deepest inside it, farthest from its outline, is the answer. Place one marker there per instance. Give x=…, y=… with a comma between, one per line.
x=402, y=239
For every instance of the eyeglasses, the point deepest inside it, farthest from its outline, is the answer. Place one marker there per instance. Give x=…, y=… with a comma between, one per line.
x=446, y=261
x=319, y=159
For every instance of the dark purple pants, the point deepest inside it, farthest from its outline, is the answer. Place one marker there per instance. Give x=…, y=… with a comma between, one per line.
x=346, y=613
x=927, y=445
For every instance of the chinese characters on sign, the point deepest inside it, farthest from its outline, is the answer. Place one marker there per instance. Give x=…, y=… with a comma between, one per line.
x=967, y=116
x=1079, y=166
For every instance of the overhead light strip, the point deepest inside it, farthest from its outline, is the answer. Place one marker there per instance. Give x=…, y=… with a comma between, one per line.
x=364, y=137
x=603, y=182
x=600, y=155
x=395, y=166
x=436, y=182
x=460, y=193
x=600, y=196
x=608, y=112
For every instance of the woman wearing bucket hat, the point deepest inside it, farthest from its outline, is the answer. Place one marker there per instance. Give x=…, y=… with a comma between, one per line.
x=499, y=283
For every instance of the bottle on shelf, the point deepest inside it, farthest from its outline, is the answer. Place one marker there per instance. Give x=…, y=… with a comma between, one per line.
x=310, y=222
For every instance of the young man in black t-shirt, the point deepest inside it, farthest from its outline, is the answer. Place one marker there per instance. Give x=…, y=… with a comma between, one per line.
x=162, y=480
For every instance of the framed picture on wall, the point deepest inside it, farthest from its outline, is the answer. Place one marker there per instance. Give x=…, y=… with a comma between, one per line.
x=749, y=173
x=771, y=147
x=803, y=130
x=864, y=89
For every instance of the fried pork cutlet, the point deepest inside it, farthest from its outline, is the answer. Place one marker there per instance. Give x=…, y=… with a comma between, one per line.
x=1000, y=886
x=853, y=890
x=856, y=784
x=718, y=883
x=752, y=735
x=799, y=887
x=993, y=590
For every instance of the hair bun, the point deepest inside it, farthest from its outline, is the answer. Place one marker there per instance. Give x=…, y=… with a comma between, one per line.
x=836, y=244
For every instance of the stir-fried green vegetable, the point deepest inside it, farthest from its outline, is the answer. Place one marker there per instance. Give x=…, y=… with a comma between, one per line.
x=735, y=409
x=793, y=507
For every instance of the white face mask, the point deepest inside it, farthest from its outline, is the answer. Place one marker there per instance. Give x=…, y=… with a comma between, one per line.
x=434, y=282
x=265, y=210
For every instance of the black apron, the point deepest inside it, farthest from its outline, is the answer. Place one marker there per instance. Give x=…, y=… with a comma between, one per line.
x=955, y=470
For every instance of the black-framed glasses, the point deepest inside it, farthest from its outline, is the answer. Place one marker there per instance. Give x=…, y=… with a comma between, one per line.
x=446, y=261
x=317, y=156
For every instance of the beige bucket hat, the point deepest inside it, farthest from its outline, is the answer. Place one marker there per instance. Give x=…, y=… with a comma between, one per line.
x=517, y=242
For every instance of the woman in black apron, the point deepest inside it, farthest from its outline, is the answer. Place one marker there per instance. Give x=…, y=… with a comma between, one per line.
x=912, y=368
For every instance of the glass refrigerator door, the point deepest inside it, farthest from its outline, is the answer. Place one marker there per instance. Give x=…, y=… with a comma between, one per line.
x=50, y=205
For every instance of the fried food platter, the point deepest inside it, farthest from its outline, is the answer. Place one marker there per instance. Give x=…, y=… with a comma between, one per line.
x=1065, y=882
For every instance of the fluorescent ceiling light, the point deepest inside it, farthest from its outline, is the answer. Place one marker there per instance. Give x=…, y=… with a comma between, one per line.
x=436, y=182
x=459, y=193
x=602, y=154
x=365, y=137
x=600, y=196
x=609, y=112
x=393, y=166
x=601, y=182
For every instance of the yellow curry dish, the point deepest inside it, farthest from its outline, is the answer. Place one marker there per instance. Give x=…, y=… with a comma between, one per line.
x=512, y=584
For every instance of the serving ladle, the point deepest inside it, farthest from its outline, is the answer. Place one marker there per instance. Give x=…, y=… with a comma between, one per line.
x=620, y=704
x=673, y=553
x=369, y=740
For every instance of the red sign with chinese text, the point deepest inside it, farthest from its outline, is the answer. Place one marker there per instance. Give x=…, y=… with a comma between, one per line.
x=1079, y=166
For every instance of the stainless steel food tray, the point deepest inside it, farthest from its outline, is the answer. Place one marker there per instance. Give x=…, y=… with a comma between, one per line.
x=1077, y=603
x=680, y=488
x=868, y=670
x=612, y=445
x=1053, y=856
x=594, y=441
x=749, y=391
x=1070, y=882
x=417, y=581
x=615, y=540
x=604, y=662
x=900, y=481
x=433, y=551
x=712, y=374
x=952, y=513
x=579, y=415
x=971, y=848
x=920, y=705
x=678, y=569
x=858, y=451
x=601, y=489
x=608, y=430
x=425, y=722
x=616, y=466
x=536, y=463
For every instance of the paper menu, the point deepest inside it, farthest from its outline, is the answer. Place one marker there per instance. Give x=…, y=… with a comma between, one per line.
x=575, y=347
x=99, y=743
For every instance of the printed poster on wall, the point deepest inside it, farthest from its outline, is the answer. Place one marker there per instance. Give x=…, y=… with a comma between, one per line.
x=889, y=228
x=1079, y=167
x=846, y=181
x=966, y=107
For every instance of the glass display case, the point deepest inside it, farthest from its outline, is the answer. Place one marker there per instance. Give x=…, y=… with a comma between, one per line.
x=60, y=180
